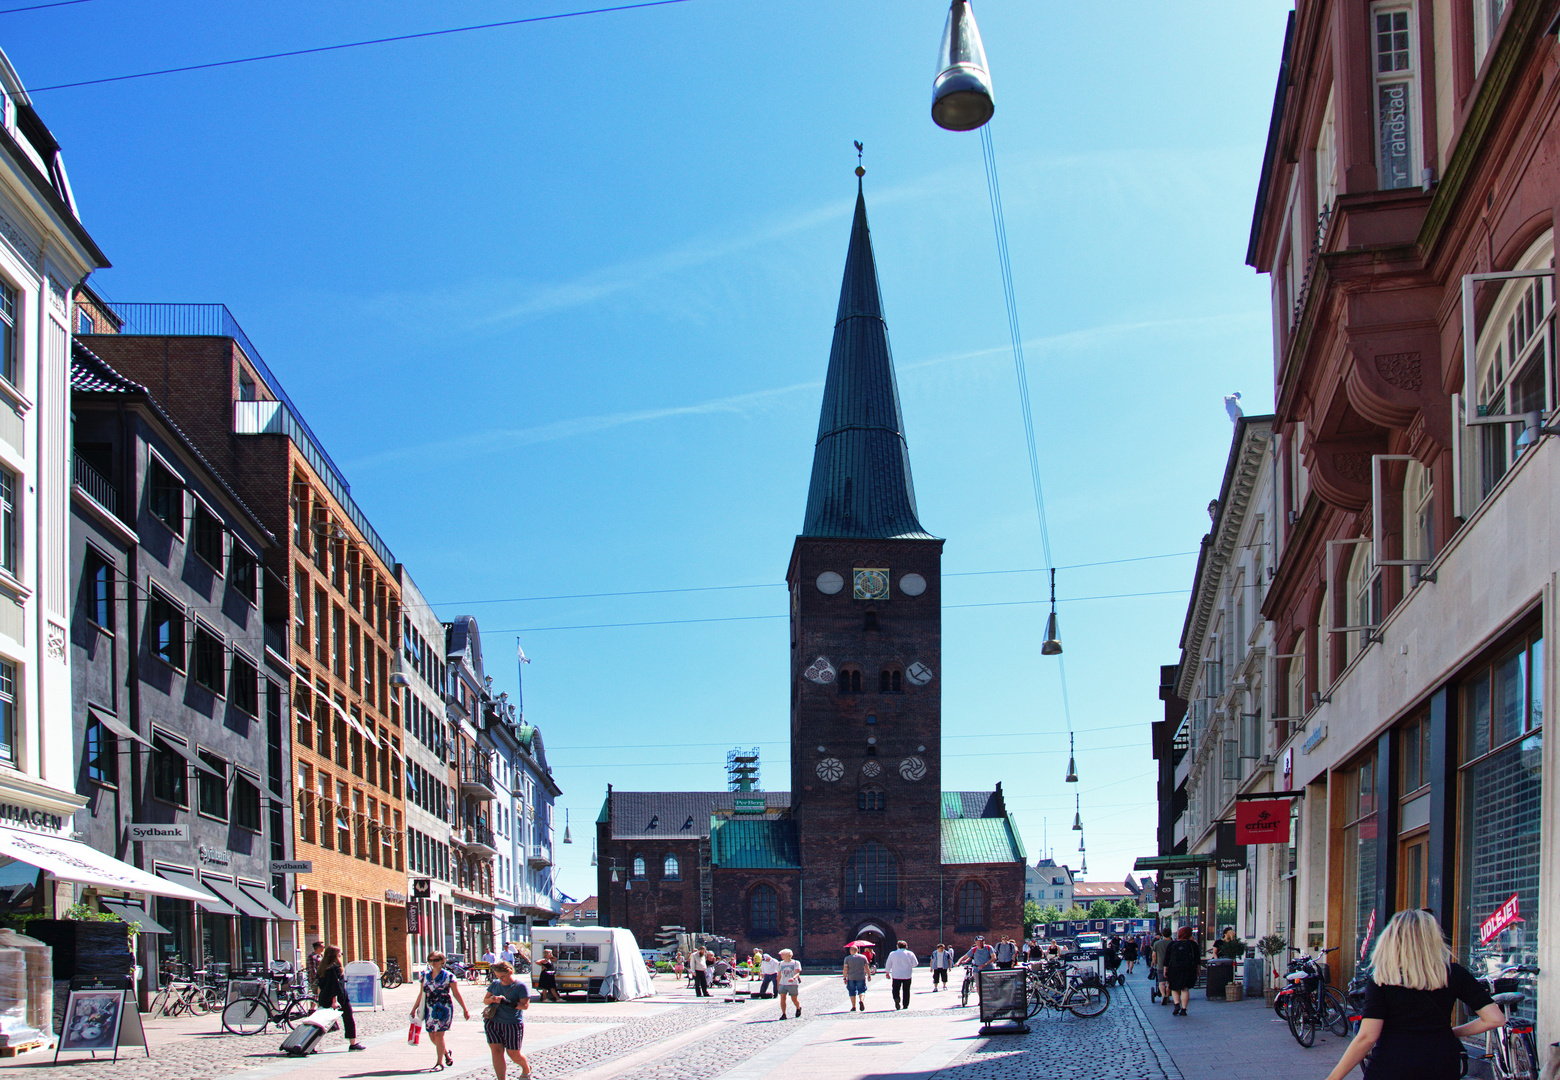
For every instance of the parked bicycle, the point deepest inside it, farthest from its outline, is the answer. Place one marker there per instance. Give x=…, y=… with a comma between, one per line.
x=252, y=1015
x=185, y=991
x=392, y=976
x=1510, y=1048
x=1053, y=985
x=1311, y=1003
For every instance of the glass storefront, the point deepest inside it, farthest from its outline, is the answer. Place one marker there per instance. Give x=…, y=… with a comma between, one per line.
x=1360, y=872
x=1500, y=784
x=177, y=945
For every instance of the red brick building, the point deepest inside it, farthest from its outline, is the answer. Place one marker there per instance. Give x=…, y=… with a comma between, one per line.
x=866, y=844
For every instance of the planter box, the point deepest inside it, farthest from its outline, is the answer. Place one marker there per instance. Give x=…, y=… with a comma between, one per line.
x=85, y=948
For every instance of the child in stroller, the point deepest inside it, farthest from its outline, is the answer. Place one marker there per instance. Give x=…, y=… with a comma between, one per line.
x=1113, y=963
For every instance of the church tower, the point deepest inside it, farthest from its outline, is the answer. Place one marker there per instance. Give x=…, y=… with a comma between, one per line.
x=866, y=642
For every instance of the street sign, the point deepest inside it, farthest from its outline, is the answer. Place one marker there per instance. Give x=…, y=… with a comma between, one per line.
x=156, y=832
x=292, y=866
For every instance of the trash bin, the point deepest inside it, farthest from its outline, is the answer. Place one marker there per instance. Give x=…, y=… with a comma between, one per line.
x=1220, y=972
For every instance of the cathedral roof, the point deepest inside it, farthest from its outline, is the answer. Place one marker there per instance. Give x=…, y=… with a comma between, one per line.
x=861, y=484
x=674, y=815
x=754, y=844
x=972, y=804
x=981, y=840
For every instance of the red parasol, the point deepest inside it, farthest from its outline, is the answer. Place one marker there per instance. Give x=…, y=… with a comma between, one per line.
x=862, y=944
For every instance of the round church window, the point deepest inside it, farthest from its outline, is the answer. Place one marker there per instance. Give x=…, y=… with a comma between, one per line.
x=831, y=769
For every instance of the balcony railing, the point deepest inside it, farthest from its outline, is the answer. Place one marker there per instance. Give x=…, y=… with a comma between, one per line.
x=479, y=840
x=96, y=485
x=477, y=779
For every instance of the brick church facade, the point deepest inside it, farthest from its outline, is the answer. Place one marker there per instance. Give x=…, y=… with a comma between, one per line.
x=866, y=844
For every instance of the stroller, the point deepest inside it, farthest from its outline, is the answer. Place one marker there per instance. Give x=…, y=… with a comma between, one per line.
x=1113, y=975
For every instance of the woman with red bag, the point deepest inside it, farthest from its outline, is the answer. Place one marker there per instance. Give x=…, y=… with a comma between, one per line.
x=434, y=989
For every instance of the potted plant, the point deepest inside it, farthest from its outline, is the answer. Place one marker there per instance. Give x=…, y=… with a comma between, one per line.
x=1270, y=946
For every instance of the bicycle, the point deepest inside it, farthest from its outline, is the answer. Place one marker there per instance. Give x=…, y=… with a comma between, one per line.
x=392, y=976
x=252, y=1015
x=1313, y=1003
x=969, y=984
x=1051, y=985
x=1510, y=1048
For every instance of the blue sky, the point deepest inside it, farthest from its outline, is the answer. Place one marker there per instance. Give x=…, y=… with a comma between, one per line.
x=559, y=299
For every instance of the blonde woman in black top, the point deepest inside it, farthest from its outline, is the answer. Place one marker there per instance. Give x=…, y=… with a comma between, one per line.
x=1406, y=1033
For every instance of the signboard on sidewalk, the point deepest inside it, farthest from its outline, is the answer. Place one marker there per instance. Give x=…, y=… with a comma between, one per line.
x=1264, y=821
x=1505, y=916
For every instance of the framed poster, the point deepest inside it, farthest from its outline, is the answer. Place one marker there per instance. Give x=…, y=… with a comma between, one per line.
x=93, y=1022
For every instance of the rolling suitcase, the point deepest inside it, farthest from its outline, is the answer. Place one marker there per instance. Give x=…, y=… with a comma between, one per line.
x=305, y=1036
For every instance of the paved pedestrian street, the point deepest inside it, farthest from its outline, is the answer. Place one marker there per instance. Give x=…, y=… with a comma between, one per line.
x=676, y=1036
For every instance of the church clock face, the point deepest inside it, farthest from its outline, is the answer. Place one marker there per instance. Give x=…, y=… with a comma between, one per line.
x=871, y=584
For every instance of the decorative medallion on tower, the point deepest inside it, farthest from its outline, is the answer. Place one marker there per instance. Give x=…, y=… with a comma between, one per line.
x=871, y=584
x=820, y=671
x=831, y=769
x=871, y=769
x=830, y=583
x=912, y=769
x=912, y=584
x=918, y=673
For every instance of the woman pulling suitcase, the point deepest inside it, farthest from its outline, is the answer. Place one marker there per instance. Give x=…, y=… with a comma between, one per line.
x=333, y=991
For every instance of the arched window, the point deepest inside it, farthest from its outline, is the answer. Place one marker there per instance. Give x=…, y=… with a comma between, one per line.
x=871, y=797
x=763, y=910
x=669, y=869
x=639, y=866
x=889, y=680
x=871, y=878
x=849, y=680
x=971, y=911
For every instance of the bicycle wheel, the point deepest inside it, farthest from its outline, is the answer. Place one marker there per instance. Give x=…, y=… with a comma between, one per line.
x=1334, y=1016
x=1032, y=999
x=246, y=1016
x=1088, y=1001
x=964, y=993
x=1302, y=1023
x=391, y=979
x=1520, y=1061
x=175, y=1006
x=297, y=1009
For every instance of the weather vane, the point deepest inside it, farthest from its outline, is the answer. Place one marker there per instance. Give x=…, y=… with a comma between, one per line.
x=860, y=170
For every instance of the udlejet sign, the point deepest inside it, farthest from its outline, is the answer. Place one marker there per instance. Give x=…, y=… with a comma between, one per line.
x=141, y=830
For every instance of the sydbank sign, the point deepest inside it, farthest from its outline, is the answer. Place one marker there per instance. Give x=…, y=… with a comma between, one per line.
x=141, y=830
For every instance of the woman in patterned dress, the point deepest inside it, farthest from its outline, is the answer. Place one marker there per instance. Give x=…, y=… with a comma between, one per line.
x=437, y=1012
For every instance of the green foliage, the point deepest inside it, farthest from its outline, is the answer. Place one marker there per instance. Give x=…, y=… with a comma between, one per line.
x=663, y=966
x=1031, y=915
x=82, y=913
x=1126, y=909
x=1101, y=909
x=1075, y=914
x=1271, y=945
x=1049, y=914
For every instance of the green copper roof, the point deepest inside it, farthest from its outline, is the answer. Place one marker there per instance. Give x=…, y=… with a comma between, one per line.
x=754, y=844
x=981, y=840
x=861, y=484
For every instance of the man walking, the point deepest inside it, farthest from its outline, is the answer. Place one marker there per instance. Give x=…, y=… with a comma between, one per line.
x=857, y=971
x=1161, y=946
x=900, y=965
x=701, y=973
x=316, y=953
x=942, y=960
x=770, y=968
x=1006, y=950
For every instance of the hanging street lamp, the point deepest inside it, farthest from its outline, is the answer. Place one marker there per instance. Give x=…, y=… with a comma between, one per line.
x=961, y=92
x=1052, y=646
x=1072, y=763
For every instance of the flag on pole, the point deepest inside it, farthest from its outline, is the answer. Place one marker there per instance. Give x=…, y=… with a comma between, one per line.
x=524, y=659
x=520, y=680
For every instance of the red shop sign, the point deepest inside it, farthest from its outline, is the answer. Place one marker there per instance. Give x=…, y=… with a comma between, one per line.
x=1505, y=915
x=1264, y=822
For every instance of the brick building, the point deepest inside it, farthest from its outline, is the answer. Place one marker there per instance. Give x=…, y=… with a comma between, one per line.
x=866, y=844
x=331, y=617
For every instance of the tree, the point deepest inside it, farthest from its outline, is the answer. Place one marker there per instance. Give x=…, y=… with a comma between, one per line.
x=1031, y=915
x=1049, y=914
x=1075, y=914
x=1126, y=909
x=1101, y=909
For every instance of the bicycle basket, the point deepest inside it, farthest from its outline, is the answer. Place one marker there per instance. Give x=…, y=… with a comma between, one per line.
x=1324, y=969
x=1505, y=986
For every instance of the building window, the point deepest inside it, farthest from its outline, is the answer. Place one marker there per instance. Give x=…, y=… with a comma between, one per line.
x=244, y=685
x=321, y=626
x=246, y=386
x=165, y=496
x=301, y=514
x=763, y=910
x=207, y=659
x=300, y=600
x=849, y=680
x=889, y=680
x=170, y=772
x=1326, y=165
x=211, y=787
x=639, y=867
x=246, y=803
x=1396, y=76
x=354, y=659
x=206, y=536
x=670, y=869
x=8, y=520
x=343, y=819
x=971, y=911
x=165, y=629
x=1487, y=15
x=871, y=797
x=1418, y=517
x=1501, y=756
x=245, y=576
x=871, y=878
x=98, y=590
x=101, y=752
x=1359, y=856
x=1415, y=753
x=338, y=645
x=8, y=333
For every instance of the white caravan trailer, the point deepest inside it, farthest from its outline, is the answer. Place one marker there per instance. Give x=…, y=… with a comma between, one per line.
x=603, y=961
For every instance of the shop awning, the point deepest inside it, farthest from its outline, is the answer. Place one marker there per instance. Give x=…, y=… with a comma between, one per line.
x=236, y=897
x=190, y=756
x=116, y=725
x=71, y=860
x=262, y=896
x=195, y=890
x=130, y=911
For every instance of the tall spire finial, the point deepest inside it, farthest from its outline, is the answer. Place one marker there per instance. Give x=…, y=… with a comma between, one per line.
x=860, y=169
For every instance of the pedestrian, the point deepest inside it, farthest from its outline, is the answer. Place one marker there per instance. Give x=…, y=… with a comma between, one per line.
x=1157, y=960
x=769, y=968
x=701, y=973
x=900, y=966
x=857, y=971
x=1405, y=1028
x=941, y=961
x=333, y=992
x=315, y=954
x=503, y=1021
x=1006, y=951
x=1129, y=953
x=434, y=1009
x=1112, y=958
x=677, y=964
x=980, y=955
x=507, y=953
x=1181, y=961
x=547, y=977
x=789, y=974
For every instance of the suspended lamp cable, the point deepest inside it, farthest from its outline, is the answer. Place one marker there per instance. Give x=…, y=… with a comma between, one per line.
x=999, y=223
